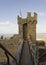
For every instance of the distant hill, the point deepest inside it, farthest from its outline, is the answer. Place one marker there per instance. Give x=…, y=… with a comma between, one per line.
x=6, y=35
x=41, y=36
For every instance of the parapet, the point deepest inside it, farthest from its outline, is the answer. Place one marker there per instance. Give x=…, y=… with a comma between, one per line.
x=35, y=15
x=28, y=14
x=19, y=19
x=29, y=17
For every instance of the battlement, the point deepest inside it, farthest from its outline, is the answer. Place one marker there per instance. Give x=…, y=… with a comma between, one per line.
x=29, y=15
x=28, y=18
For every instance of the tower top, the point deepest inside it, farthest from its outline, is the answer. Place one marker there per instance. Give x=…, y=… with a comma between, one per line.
x=29, y=14
x=28, y=18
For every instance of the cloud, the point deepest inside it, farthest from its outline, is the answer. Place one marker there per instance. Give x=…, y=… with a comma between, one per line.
x=41, y=28
x=41, y=13
x=8, y=27
x=6, y=23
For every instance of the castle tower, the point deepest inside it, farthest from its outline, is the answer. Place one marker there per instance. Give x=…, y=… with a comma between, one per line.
x=27, y=26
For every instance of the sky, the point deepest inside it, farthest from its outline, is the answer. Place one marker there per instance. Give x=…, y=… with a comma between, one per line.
x=10, y=9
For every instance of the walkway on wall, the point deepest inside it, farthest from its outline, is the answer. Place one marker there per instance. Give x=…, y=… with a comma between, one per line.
x=26, y=56
x=23, y=56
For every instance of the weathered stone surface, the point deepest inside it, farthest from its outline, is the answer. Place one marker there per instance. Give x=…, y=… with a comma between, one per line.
x=31, y=25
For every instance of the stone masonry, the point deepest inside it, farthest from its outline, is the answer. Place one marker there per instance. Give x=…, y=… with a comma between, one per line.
x=30, y=30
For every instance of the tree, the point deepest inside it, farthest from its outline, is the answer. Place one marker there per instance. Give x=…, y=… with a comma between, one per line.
x=2, y=37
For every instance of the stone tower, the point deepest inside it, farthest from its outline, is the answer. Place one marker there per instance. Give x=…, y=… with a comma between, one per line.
x=27, y=26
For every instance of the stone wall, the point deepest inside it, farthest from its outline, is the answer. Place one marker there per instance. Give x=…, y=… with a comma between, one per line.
x=11, y=45
x=31, y=25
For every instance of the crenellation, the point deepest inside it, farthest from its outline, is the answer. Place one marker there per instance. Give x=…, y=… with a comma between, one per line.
x=35, y=15
x=19, y=20
x=28, y=14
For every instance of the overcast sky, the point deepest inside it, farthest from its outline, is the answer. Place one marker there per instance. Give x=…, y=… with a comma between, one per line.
x=9, y=9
